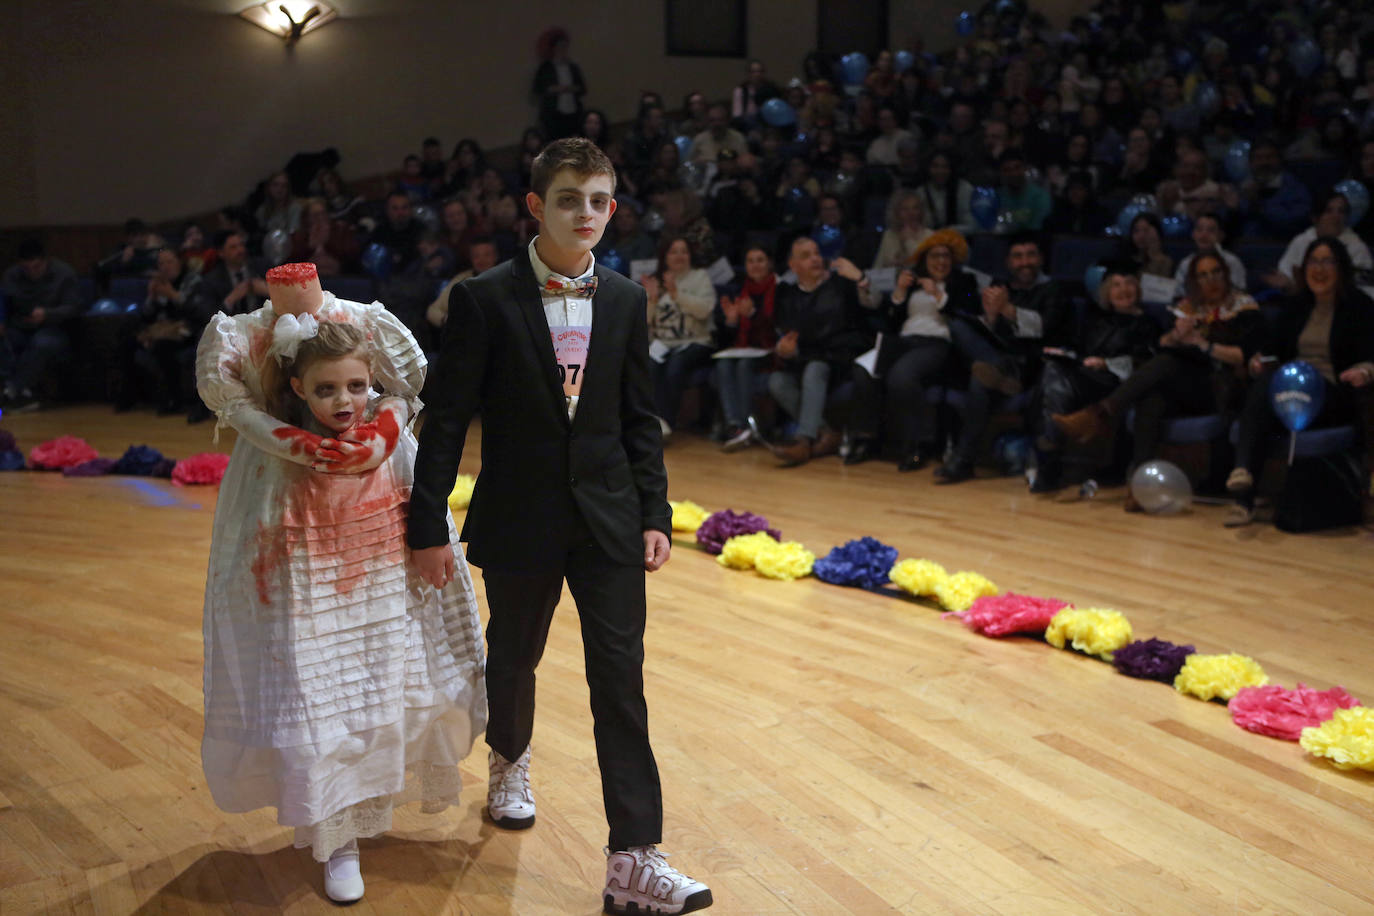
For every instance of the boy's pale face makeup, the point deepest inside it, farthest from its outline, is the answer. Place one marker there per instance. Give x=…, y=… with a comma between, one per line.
x=335, y=390
x=572, y=217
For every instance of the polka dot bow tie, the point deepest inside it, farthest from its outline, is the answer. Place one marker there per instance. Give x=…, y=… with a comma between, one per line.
x=585, y=287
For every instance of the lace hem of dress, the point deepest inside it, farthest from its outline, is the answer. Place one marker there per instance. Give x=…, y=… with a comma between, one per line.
x=434, y=787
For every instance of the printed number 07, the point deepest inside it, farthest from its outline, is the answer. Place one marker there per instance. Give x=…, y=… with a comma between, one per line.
x=563, y=373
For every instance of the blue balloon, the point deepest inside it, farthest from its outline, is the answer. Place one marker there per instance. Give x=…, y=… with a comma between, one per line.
x=965, y=23
x=777, y=113
x=855, y=67
x=1305, y=55
x=1297, y=392
x=1207, y=98
x=984, y=205
x=377, y=260
x=1357, y=194
x=613, y=260
x=829, y=239
x=903, y=61
x=684, y=146
x=1238, y=160
x=1093, y=277
x=106, y=307
x=1127, y=216
x=1176, y=226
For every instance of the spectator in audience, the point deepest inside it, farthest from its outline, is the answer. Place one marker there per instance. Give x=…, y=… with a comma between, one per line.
x=135, y=258
x=559, y=87
x=681, y=299
x=822, y=326
x=344, y=206
x=331, y=245
x=1139, y=172
x=1191, y=192
x=1272, y=202
x=595, y=127
x=650, y=130
x=985, y=167
x=1200, y=367
x=432, y=165
x=464, y=168
x=665, y=168
x=303, y=170
x=234, y=285
x=484, y=256
x=1329, y=323
x=532, y=142
x=693, y=115
x=41, y=297
x=399, y=232
x=719, y=135
x=881, y=81
x=749, y=96
x=1144, y=246
x=912, y=352
x=503, y=221
x=409, y=292
x=458, y=229
x=1330, y=219
x=745, y=322
x=947, y=197
x=412, y=182
x=905, y=229
x=1116, y=337
x=1077, y=211
x=1026, y=202
x=797, y=193
x=1208, y=235
x=1177, y=112
x=1001, y=344
x=625, y=235
x=279, y=210
x=883, y=149
x=194, y=253
x=162, y=347
x=682, y=215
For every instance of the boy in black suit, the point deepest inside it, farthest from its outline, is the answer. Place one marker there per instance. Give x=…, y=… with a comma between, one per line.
x=554, y=352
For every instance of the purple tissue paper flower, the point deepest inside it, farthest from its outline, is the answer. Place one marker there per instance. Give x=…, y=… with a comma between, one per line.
x=7, y=442
x=11, y=460
x=93, y=468
x=864, y=563
x=725, y=524
x=138, y=460
x=1152, y=659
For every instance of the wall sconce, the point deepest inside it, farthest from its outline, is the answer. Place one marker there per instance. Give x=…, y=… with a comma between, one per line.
x=290, y=19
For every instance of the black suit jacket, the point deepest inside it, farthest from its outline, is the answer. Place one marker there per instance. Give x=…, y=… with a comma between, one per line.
x=539, y=467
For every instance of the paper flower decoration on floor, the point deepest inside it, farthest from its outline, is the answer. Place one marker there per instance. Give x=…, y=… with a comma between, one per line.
x=1151, y=659
x=864, y=563
x=787, y=561
x=96, y=467
x=687, y=515
x=138, y=461
x=59, y=453
x=1346, y=739
x=958, y=591
x=741, y=550
x=1208, y=677
x=462, y=492
x=1280, y=713
x=1096, y=631
x=203, y=469
x=1002, y=615
x=919, y=577
x=725, y=524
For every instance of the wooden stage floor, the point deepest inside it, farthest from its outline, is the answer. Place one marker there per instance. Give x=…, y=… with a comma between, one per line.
x=823, y=750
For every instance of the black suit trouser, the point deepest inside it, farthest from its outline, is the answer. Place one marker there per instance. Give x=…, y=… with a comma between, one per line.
x=611, y=607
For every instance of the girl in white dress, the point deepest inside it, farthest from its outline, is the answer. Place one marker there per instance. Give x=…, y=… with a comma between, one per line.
x=338, y=684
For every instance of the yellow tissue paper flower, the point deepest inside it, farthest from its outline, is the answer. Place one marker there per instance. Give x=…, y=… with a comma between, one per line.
x=1346, y=739
x=462, y=492
x=687, y=515
x=787, y=561
x=741, y=550
x=1211, y=676
x=1094, y=630
x=957, y=592
x=919, y=577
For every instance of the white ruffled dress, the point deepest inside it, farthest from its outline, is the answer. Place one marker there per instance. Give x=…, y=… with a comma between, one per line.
x=338, y=684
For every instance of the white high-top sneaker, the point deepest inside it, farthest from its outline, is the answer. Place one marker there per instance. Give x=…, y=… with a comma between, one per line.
x=510, y=803
x=640, y=881
x=343, y=876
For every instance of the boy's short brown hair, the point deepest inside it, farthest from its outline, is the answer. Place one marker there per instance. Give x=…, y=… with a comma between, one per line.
x=578, y=154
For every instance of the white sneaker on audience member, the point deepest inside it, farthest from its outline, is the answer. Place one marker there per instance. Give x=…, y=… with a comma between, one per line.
x=510, y=803
x=639, y=880
x=343, y=876
x=739, y=438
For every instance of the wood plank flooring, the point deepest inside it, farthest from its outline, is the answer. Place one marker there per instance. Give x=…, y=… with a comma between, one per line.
x=823, y=750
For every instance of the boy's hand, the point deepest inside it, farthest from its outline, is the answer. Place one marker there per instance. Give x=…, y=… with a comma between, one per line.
x=435, y=564
x=656, y=550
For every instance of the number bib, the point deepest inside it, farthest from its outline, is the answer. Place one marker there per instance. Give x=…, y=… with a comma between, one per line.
x=570, y=350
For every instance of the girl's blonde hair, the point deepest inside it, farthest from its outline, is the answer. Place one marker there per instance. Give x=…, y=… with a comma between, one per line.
x=335, y=340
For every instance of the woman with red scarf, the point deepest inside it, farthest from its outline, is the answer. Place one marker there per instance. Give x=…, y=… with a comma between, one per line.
x=745, y=323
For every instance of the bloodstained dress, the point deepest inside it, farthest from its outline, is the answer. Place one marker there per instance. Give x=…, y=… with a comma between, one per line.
x=338, y=684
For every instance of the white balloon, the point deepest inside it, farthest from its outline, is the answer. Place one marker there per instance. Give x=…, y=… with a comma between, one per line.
x=1161, y=488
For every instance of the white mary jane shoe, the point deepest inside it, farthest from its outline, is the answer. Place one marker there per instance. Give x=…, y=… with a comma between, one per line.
x=343, y=877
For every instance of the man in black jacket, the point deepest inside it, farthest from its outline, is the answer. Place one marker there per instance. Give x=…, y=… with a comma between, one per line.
x=553, y=350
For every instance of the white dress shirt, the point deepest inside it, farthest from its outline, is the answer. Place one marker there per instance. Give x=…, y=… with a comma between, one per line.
x=561, y=309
